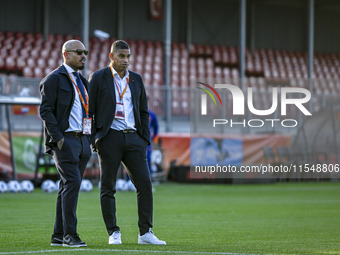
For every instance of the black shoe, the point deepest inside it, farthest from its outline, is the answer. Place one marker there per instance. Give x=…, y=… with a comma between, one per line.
x=73, y=240
x=57, y=240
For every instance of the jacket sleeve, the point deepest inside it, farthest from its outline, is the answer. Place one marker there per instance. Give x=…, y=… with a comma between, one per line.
x=49, y=92
x=144, y=114
x=93, y=88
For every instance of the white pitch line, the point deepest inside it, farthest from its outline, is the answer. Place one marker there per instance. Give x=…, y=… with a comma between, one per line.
x=117, y=250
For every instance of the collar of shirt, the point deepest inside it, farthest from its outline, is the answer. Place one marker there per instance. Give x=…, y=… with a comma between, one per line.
x=68, y=68
x=116, y=75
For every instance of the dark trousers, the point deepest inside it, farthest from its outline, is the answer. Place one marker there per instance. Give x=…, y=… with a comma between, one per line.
x=71, y=162
x=129, y=148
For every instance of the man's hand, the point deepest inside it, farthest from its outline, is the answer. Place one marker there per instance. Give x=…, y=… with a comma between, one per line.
x=60, y=143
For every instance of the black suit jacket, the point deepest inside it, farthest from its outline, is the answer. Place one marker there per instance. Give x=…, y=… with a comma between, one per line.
x=103, y=104
x=57, y=96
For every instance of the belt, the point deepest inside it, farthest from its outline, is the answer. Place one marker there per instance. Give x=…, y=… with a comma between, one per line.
x=76, y=134
x=125, y=131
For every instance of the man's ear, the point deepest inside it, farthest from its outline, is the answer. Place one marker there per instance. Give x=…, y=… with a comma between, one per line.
x=111, y=55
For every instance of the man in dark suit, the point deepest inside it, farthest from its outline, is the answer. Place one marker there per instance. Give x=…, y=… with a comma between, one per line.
x=64, y=111
x=121, y=132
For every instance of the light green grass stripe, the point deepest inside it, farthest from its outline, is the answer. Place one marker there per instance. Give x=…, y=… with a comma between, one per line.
x=117, y=250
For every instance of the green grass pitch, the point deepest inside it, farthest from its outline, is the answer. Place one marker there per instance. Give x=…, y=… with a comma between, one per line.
x=286, y=218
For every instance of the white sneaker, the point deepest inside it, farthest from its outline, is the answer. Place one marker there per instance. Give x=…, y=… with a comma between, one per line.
x=150, y=238
x=115, y=238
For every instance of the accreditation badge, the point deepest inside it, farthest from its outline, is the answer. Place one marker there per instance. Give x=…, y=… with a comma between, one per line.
x=87, y=126
x=120, y=114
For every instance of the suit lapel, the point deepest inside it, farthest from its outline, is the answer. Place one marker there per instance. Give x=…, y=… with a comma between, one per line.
x=134, y=93
x=110, y=85
x=63, y=70
x=132, y=87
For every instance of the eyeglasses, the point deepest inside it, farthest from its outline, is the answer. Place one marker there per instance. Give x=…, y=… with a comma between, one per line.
x=79, y=52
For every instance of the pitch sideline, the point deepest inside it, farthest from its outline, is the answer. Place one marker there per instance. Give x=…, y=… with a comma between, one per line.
x=117, y=250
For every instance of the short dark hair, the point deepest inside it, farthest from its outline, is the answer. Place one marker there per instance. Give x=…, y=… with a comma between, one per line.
x=119, y=45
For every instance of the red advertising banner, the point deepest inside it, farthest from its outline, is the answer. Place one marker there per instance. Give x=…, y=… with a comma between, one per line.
x=177, y=146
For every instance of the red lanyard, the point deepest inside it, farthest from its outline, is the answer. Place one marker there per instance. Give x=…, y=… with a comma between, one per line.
x=85, y=104
x=114, y=80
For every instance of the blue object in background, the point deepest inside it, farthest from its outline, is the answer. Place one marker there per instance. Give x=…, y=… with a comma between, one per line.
x=204, y=152
x=231, y=152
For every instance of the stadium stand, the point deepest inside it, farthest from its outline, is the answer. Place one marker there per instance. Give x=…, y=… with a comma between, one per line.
x=38, y=57
x=210, y=63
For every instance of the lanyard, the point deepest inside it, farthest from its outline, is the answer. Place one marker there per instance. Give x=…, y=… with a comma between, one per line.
x=114, y=80
x=85, y=104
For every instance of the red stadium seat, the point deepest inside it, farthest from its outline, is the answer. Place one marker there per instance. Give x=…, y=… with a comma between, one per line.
x=38, y=72
x=174, y=80
x=2, y=63
x=28, y=72
x=31, y=62
x=10, y=63
x=233, y=55
x=185, y=101
x=41, y=62
x=139, y=68
x=35, y=53
x=51, y=62
x=206, y=62
x=157, y=79
x=184, y=82
x=226, y=74
x=175, y=100
x=21, y=63
x=47, y=70
x=208, y=52
x=147, y=79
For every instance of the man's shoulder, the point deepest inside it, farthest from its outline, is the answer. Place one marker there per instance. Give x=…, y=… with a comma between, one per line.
x=136, y=77
x=134, y=74
x=98, y=73
x=53, y=75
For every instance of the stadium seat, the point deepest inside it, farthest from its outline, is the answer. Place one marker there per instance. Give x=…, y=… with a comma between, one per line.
x=2, y=63
x=28, y=72
x=52, y=62
x=208, y=52
x=147, y=79
x=10, y=64
x=21, y=63
x=174, y=80
x=216, y=55
x=192, y=50
x=185, y=101
x=47, y=70
x=38, y=72
x=41, y=62
x=176, y=100
x=157, y=78
x=199, y=62
x=156, y=99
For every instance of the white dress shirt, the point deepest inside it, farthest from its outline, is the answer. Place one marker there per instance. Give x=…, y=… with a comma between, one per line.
x=129, y=121
x=76, y=115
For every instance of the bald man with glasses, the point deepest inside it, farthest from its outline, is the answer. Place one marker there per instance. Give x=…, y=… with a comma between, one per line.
x=67, y=127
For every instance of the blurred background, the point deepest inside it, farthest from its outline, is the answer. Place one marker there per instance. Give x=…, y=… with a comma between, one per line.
x=258, y=44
